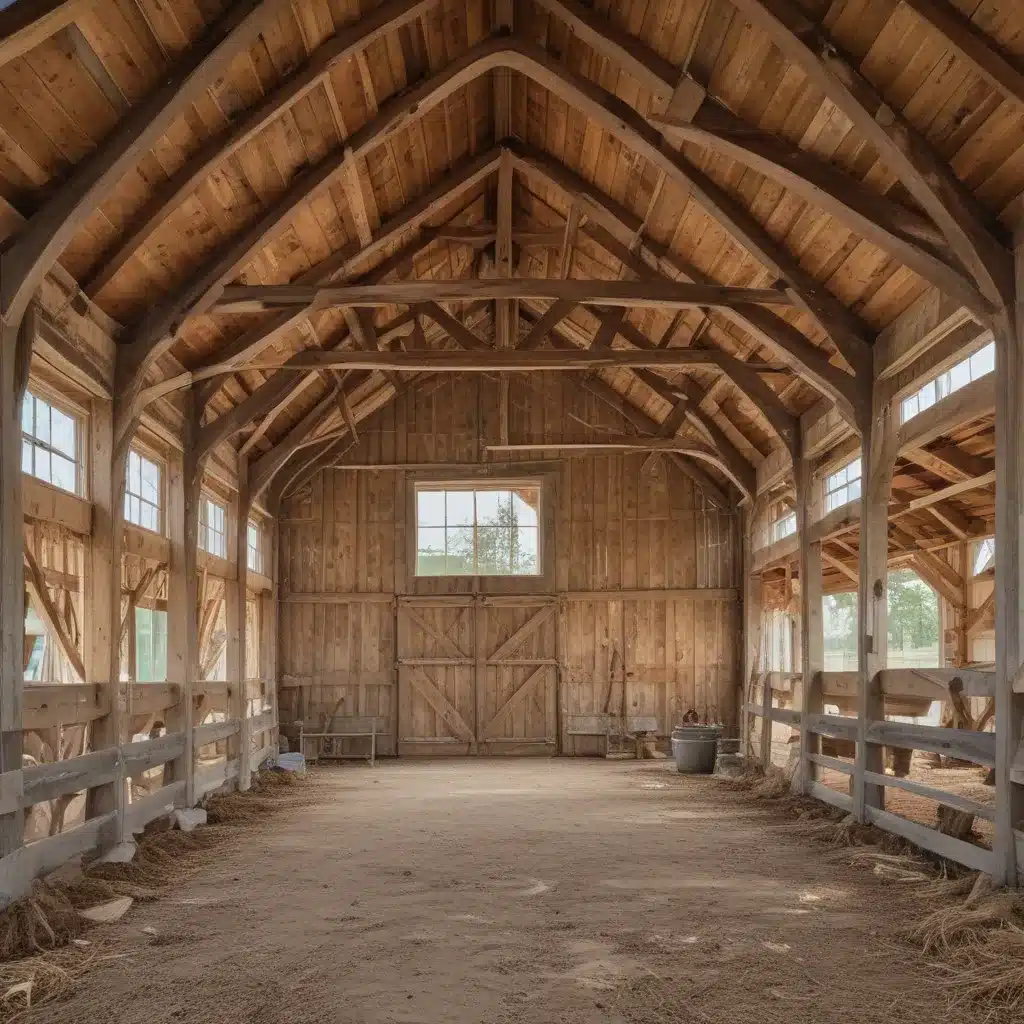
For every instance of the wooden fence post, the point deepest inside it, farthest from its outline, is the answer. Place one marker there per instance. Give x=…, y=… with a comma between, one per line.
x=878, y=460
x=235, y=613
x=103, y=583
x=15, y=348
x=1009, y=838
x=812, y=635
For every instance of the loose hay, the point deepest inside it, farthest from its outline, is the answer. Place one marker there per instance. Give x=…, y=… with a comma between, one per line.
x=32, y=982
x=48, y=919
x=990, y=973
x=45, y=920
x=946, y=928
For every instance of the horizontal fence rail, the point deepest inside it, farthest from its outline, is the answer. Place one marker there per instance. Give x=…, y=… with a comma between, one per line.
x=54, y=706
x=907, y=692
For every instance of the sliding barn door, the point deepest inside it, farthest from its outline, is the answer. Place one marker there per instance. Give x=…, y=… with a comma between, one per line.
x=476, y=676
x=436, y=676
x=517, y=676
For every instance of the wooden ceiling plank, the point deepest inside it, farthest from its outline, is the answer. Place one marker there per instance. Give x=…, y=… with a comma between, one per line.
x=350, y=40
x=928, y=177
x=908, y=237
x=410, y=218
x=27, y=23
x=47, y=233
x=605, y=217
x=973, y=46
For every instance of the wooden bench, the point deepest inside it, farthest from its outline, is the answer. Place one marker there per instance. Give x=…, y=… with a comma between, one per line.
x=609, y=725
x=344, y=728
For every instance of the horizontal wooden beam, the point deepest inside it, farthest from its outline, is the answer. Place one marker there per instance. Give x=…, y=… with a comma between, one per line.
x=972, y=402
x=349, y=40
x=654, y=293
x=24, y=24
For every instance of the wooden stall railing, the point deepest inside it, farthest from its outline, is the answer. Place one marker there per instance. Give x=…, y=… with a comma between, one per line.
x=904, y=692
x=50, y=706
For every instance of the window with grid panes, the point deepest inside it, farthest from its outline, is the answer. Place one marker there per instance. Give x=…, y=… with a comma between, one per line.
x=478, y=530
x=956, y=377
x=213, y=527
x=143, y=492
x=49, y=444
x=842, y=486
x=254, y=546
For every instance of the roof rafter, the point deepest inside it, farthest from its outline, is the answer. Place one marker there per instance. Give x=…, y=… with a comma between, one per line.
x=928, y=178
x=47, y=233
x=910, y=238
x=349, y=40
x=607, y=221
x=850, y=334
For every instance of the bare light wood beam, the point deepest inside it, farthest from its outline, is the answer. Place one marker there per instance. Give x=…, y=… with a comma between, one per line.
x=654, y=293
x=348, y=41
x=264, y=468
x=345, y=262
x=897, y=228
x=973, y=46
x=925, y=174
x=494, y=361
x=846, y=329
x=25, y=24
x=455, y=328
x=47, y=233
x=607, y=221
x=907, y=236
x=741, y=476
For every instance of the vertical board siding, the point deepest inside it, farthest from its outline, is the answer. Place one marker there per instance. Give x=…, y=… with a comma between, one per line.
x=612, y=522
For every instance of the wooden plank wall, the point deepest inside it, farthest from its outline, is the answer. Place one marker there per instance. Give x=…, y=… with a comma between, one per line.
x=616, y=522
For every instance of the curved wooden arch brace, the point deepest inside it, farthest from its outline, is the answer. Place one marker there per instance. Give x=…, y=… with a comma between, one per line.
x=911, y=238
x=849, y=333
x=134, y=359
x=343, y=263
x=348, y=41
x=608, y=223
x=47, y=233
x=928, y=178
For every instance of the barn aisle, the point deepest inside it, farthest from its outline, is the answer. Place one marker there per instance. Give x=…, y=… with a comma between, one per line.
x=514, y=891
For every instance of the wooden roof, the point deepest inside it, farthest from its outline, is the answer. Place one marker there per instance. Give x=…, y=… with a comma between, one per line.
x=332, y=140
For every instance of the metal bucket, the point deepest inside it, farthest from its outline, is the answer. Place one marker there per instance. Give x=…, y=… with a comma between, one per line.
x=693, y=747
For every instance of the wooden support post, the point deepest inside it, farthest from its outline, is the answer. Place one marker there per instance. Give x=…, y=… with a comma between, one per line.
x=103, y=584
x=751, y=632
x=878, y=460
x=269, y=608
x=812, y=633
x=1009, y=820
x=184, y=484
x=237, y=593
x=15, y=348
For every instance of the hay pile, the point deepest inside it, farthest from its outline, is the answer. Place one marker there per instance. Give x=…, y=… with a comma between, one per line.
x=972, y=936
x=39, y=961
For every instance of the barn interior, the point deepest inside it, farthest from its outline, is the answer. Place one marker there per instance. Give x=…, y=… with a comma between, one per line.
x=442, y=380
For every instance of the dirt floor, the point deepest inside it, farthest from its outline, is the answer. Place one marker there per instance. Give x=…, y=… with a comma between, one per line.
x=514, y=891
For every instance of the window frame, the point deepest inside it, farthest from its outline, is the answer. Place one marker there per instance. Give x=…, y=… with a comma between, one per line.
x=787, y=517
x=209, y=497
x=260, y=568
x=144, y=452
x=940, y=375
x=474, y=484
x=81, y=423
x=828, y=490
